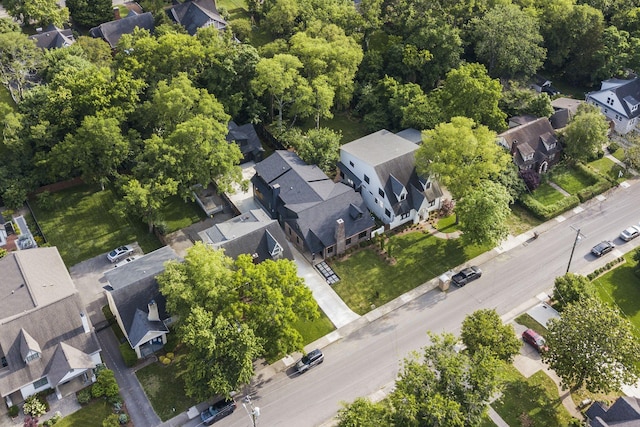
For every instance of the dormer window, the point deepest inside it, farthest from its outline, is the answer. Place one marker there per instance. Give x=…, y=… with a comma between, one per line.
x=403, y=196
x=33, y=355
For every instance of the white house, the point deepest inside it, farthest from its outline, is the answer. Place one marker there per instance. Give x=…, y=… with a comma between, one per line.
x=382, y=167
x=619, y=100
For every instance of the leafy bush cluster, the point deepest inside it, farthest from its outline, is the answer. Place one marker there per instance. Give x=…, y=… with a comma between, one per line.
x=608, y=266
x=600, y=185
x=105, y=385
x=34, y=406
x=546, y=212
x=83, y=396
x=53, y=420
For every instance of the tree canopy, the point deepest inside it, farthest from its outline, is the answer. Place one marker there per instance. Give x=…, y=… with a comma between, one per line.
x=484, y=329
x=591, y=345
x=586, y=133
x=460, y=154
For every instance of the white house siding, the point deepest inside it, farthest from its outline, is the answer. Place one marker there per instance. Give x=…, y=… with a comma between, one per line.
x=610, y=105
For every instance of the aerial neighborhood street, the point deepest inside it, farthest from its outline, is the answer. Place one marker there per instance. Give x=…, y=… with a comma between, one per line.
x=319, y=213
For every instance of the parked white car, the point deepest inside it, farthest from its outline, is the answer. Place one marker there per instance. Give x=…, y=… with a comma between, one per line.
x=630, y=233
x=119, y=253
x=127, y=260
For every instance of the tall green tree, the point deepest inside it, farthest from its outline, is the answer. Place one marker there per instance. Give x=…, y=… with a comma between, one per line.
x=19, y=59
x=586, y=133
x=469, y=91
x=42, y=13
x=632, y=153
x=460, y=154
x=444, y=386
x=316, y=147
x=508, y=41
x=144, y=198
x=570, y=288
x=97, y=149
x=483, y=213
x=592, y=345
x=484, y=329
x=279, y=77
x=221, y=354
x=363, y=413
x=518, y=101
x=90, y=13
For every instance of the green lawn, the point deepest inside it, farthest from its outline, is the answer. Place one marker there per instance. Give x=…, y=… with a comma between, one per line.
x=547, y=195
x=609, y=168
x=570, y=180
x=80, y=222
x=178, y=214
x=521, y=220
x=312, y=330
x=535, y=398
x=621, y=287
x=447, y=224
x=351, y=127
x=619, y=154
x=91, y=415
x=165, y=388
x=530, y=322
x=366, y=279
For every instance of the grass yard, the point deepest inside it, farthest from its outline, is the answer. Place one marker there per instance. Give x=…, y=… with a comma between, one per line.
x=609, y=168
x=447, y=224
x=531, y=323
x=165, y=388
x=312, y=330
x=570, y=180
x=619, y=154
x=351, y=127
x=547, y=195
x=178, y=214
x=91, y=415
x=521, y=220
x=620, y=286
x=535, y=398
x=80, y=222
x=366, y=279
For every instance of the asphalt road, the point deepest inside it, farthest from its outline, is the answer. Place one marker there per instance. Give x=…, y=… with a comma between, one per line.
x=369, y=359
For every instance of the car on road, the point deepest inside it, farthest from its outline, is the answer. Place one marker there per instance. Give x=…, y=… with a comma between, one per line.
x=466, y=275
x=602, y=248
x=217, y=411
x=534, y=339
x=630, y=233
x=309, y=360
x=119, y=253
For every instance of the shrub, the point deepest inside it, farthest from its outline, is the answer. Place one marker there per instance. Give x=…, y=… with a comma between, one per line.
x=117, y=407
x=531, y=179
x=123, y=418
x=34, y=406
x=14, y=411
x=170, y=355
x=546, y=212
x=613, y=147
x=105, y=385
x=446, y=208
x=128, y=354
x=111, y=421
x=84, y=396
x=45, y=201
x=593, y=190
x=241, y=29
x=53, y=420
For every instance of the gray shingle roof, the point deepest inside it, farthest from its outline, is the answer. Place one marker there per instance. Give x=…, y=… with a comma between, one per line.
x=54, y=38
x=194, y=14
x=246, y=138
x=625, y=412
x=530, y=138
x=252, y=233
x=49, y=325
x=112, y=31
x=133, y=286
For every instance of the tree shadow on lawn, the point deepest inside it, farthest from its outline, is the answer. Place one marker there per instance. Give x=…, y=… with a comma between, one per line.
x=623, y=286
x=531, y=398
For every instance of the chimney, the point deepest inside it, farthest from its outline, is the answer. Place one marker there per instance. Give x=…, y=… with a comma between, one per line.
x=275, y=192
x=85, y=323
x=153, y=312
x=340, y=237
x=116, y=13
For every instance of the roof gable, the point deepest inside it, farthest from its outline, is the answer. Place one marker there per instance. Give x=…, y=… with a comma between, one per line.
x=194, y=14
x=112, y=31
x=54, y=38
x=141, y=268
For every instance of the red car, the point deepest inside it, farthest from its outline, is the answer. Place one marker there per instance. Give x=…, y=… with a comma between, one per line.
x=534, y=339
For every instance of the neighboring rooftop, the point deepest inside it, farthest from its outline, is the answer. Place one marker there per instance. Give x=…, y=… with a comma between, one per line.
x=112, y=31
x=377, y=148
x=149, y=265
x=53, y=38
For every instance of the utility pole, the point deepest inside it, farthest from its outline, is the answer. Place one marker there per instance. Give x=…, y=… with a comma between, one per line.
x=575, y=242
x=255, y=411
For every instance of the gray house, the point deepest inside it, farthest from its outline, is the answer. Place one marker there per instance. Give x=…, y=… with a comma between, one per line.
x=533, y=145
x=112, y=31
x=46, y=338
x=195, y=14
x=625, y=412
x=252, y=233
x=248, y=141
x=53, y=38
x=319, y=216
x=136, y=302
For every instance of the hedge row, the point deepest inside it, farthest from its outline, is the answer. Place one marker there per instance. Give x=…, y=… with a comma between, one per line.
x=546, y=212
x=608, y=266
x=601, y=183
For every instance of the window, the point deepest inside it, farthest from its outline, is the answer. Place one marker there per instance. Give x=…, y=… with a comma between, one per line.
x=403, y=196
x=348, y=241
x=366, y=179
x=3, y=362
x=32, y=356
x=431, y=203
x=362, y=235
x=387, y=213
x=404, y=215
x=330, y=250
x=297, y=239
x=40, y=383
x=427, y=185
x=351, y=163
x=380, y=192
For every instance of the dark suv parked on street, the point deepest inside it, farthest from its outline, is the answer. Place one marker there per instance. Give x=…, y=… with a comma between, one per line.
x=217, y=411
